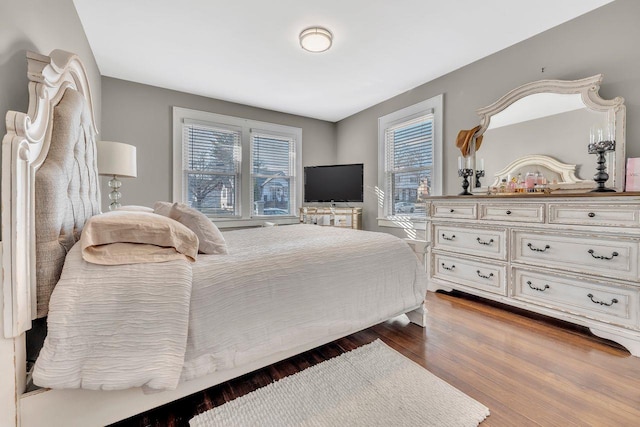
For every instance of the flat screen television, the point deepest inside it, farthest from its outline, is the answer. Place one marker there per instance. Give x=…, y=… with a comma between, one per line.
x=337, y=183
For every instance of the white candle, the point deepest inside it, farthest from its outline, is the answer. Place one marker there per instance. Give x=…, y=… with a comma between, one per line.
x=459, y=162
x=468, y=163
x=481, y=164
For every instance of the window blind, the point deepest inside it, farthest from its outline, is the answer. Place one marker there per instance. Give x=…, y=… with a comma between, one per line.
x=409, y=164
x=211, y=168
x=272, y=173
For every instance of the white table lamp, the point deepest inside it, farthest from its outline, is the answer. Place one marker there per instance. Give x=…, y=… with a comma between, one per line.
x=117, y=160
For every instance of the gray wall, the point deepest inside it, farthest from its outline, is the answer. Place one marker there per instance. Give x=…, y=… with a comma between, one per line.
x=603, y=41
x=141, y=115
x=40, y=26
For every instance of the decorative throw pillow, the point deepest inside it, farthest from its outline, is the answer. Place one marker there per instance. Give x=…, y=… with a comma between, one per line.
x=162, y=208
x=210, y=238
x=124, y=237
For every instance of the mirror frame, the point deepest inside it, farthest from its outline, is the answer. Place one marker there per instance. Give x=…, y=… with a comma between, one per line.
x=588, y=89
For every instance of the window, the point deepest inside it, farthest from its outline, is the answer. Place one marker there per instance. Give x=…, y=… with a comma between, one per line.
x=211, y=171
x=410, y=152
x=272, y=174
x=235, y=170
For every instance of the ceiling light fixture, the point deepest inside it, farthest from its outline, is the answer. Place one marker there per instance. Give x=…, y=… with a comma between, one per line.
x=316, y=39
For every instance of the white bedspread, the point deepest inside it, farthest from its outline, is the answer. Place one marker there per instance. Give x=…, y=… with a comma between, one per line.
x=113, y=327
x=279, y=287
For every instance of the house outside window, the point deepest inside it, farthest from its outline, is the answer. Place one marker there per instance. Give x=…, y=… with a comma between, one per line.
x=237, y=171
x=409, y=165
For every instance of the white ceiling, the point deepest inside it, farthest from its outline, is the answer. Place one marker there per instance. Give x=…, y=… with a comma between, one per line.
x=247, y=51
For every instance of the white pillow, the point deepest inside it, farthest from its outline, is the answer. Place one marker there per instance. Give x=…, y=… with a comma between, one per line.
x=135, y=208
x=210, y=238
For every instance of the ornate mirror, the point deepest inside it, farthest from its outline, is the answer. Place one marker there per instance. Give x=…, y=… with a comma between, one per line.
x=545, y=127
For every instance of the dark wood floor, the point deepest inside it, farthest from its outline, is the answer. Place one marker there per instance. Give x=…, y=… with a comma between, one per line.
x=529, y=371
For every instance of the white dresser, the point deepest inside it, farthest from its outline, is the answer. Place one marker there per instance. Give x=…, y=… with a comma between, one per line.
x=573, y=257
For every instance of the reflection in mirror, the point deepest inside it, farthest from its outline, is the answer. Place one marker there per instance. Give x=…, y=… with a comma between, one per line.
x=558, y=132
x=553, y=119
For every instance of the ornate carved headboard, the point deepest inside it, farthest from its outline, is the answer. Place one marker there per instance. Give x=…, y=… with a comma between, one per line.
x=49, y=184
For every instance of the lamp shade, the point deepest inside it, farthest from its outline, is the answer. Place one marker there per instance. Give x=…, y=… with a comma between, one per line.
x=117, y=159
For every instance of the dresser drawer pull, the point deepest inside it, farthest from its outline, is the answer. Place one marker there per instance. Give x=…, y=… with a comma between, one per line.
x=448, y=268
x=613, y=301
x=608, y=258
x=508, y=212
x=483, y=276
x=591, y=214
x=452, y=210
x=536, y=288
x=485, y=243
x=538, y=249
x=444, y=236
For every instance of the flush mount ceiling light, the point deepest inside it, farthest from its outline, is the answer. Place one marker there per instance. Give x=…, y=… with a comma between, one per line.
x=316, y=39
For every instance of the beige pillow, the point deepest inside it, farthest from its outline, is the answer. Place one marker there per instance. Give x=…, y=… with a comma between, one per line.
x=210, y=238
x=125, y=237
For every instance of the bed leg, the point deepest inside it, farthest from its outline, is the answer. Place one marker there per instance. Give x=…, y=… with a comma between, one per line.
x=418, y=316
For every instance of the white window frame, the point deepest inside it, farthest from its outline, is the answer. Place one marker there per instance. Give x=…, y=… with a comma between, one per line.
x=245, y=216
x=430, y=106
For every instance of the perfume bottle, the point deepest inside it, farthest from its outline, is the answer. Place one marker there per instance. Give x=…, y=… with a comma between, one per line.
x=529, y=181
x=503, y=186
x=519, y=184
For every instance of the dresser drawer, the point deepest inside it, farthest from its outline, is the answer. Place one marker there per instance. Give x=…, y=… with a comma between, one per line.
x=613, y=256
x=490, y=277
x=578, y=295
x=454, y=210
x=603, y=215
x=508, y=212
x=473, y=241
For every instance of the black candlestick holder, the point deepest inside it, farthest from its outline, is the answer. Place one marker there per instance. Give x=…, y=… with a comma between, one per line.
x=465, y=174
x=600, y=148
x=479, y=174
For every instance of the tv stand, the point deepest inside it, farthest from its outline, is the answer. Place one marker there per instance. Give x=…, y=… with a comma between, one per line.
x=342, y=217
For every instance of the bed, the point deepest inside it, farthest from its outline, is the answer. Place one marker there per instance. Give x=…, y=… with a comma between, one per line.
x=279, y=290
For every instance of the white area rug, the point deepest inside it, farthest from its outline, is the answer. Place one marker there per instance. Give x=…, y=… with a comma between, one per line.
x=372, y=385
